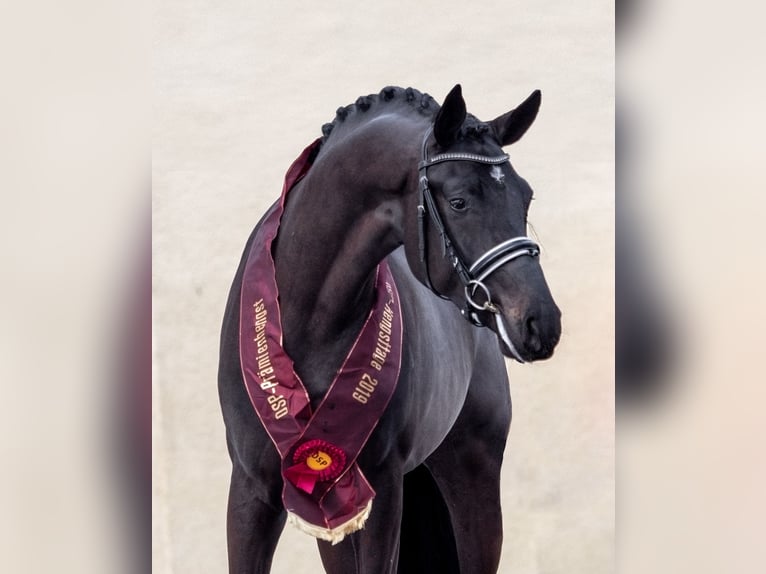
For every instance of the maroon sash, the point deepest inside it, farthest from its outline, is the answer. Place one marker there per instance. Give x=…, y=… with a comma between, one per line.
x=325, y=492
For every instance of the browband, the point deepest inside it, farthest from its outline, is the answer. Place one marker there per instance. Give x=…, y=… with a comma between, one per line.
x=458, y=156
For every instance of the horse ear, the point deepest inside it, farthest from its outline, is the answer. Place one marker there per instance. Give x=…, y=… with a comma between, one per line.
x=511, y=126
x=450, y=117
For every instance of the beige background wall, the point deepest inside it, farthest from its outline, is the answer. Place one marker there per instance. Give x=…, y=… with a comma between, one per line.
x=241, y=88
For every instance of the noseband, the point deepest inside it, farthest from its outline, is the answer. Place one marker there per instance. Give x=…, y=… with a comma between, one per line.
x=474, y=276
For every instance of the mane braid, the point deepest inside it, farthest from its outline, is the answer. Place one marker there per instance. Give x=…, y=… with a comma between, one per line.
x=418, y=101
x=473, y=129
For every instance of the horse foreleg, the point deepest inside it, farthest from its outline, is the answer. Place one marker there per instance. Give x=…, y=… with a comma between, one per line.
x=253, y=526
x=469, y=479
x=375, y=548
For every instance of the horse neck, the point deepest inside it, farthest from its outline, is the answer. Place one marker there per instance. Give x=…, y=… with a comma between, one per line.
x=339, y=222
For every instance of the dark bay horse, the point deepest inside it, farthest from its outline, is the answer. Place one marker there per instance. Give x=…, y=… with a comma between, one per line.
x=427, y=188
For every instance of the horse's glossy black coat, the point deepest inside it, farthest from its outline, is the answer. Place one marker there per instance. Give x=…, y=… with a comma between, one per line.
x=434, y=459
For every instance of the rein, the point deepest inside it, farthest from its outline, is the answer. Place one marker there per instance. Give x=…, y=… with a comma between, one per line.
x=472, y=277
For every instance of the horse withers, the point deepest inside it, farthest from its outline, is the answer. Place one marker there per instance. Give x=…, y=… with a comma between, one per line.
x=425, y=193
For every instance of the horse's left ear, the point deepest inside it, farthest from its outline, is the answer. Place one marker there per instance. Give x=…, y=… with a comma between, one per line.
x=511, y=126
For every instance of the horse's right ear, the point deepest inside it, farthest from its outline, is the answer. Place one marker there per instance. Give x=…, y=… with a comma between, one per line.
x=450, y=117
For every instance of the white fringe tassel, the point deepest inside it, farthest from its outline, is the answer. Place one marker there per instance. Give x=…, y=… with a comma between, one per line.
x=333, y=535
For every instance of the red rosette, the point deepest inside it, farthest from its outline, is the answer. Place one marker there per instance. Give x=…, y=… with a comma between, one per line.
x=315, y=461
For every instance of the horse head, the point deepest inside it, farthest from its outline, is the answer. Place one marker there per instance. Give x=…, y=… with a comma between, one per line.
x=470, y=235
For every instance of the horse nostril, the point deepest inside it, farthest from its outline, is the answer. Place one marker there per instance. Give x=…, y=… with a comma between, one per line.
x=533, y=334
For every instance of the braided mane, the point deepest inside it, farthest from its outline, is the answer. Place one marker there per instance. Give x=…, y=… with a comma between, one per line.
x=419, y=101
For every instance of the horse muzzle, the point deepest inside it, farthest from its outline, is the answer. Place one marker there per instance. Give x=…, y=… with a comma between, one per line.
x=527, y=333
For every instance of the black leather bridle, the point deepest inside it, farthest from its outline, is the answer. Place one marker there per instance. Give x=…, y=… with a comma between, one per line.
x=472, y=277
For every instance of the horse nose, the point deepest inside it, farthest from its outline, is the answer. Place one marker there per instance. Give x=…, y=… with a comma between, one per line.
x=541, y=333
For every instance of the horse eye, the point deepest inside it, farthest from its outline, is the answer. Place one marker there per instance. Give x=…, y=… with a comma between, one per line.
x=458, y=204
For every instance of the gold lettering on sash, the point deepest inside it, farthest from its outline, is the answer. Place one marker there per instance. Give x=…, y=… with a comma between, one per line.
x=383, y=344
x=266, y=373
x=364, y=389
x=367, y=384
